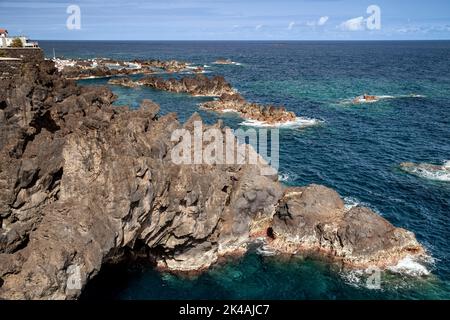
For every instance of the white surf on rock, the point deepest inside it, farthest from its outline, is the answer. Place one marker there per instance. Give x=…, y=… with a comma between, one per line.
x=428, y=171
x=299, y=122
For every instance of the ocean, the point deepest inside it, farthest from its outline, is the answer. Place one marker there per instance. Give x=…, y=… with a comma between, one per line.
x=355, y=149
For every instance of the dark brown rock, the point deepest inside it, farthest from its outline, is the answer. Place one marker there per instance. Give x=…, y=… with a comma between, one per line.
x=199, y=85
x=315, y=219
x=235, y=102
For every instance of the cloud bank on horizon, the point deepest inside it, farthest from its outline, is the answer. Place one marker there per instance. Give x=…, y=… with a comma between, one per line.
x=229, y=20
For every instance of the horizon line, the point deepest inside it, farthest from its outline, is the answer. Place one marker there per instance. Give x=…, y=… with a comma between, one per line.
x=252, y=40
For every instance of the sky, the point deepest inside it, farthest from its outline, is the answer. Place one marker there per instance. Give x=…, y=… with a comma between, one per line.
x=227, y=19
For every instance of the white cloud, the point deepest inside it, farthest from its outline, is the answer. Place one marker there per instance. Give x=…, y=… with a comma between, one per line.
x=291, y=25
x=355, y=24
x=258, y=27
x=322, y=20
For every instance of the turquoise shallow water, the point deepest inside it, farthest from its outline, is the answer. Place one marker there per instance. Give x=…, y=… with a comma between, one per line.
x=357, y=151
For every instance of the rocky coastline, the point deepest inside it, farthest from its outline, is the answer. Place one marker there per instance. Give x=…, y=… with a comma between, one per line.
x=84, y=183
x=77, y=69
x=229, y=100
x=199, y=85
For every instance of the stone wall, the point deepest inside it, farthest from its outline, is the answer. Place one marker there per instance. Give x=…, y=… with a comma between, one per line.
x=26, y=54
x=9, y=68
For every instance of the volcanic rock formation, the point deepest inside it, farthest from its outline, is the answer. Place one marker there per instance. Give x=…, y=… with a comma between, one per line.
x=199, y=85
x=83, y=183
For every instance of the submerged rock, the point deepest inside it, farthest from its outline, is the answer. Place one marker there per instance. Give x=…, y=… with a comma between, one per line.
x=83, y=183
x=428, y=171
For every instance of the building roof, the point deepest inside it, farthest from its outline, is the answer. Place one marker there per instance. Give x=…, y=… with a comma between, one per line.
x=3, y=31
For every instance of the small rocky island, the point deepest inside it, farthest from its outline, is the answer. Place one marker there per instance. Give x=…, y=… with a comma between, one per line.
x=84, y=184
x=234, y=102
x=199, y=85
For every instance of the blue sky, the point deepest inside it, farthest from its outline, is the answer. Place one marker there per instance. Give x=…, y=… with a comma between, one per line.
x=228, y=19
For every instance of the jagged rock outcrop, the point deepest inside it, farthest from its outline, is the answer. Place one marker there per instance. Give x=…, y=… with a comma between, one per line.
x=84, y=183
x=78, y=72
x=199, y=85
x=124, y=82
x=170, y=66
x=247, y=110
x=314, y=218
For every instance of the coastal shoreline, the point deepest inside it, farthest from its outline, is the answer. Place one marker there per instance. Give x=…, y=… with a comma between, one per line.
x=88, y=182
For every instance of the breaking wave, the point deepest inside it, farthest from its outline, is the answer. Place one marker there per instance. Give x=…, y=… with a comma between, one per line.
x=233, y=63
x=411, y=267
x=300, y=122
x=361, y=100
x=408, y=267
x=287, y=177
x=428, y=171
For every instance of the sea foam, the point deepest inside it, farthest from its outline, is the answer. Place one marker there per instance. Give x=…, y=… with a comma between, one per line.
x=299, y=122
x=430, y=172
x=411, y=267
x=447, y=164
x=361, y=100
x=408, y=266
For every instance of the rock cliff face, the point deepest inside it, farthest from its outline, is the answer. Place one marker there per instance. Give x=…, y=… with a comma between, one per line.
x=82, y=183
x=25, y=54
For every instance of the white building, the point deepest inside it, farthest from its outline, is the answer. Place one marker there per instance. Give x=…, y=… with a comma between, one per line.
x=6, y=40
x=3, y=37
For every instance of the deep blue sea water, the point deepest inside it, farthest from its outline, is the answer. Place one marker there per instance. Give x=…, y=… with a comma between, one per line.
x=357, y=151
